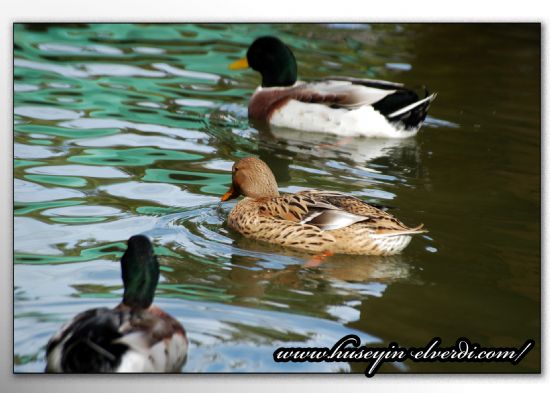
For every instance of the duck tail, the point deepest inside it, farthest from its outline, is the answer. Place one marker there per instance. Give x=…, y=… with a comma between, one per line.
x=418, y=229
x=412, y=115
x=405, y=231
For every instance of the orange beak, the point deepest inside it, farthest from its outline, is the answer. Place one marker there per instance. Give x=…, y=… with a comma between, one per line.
x=230, y=194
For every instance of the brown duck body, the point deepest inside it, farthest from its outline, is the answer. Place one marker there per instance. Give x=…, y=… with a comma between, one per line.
x=319, y=221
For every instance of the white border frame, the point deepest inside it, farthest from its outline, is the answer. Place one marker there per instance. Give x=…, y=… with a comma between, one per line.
x=242, y=11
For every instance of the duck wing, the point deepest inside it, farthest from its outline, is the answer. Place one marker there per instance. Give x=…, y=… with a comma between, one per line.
x=310, y=208
x=376, y=83
x=397, y=103
x=340, y=94
x=331, y=210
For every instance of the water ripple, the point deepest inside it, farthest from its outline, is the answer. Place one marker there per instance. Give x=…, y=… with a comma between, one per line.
x=125, y=129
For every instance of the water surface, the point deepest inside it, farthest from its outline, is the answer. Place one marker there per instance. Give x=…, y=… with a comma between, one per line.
x=125, y=129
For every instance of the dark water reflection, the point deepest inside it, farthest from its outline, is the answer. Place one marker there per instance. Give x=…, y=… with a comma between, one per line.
x=126, y=129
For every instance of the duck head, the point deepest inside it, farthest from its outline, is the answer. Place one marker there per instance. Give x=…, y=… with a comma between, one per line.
x=252, y=178
x=272, y=59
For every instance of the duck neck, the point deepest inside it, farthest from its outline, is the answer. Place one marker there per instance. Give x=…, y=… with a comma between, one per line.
x=265, y=189
x=140, y=274
x=286, y=79
x=282, y=73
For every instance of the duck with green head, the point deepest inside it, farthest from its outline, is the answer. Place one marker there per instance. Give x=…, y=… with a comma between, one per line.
x=340, y=105
x=135, y=336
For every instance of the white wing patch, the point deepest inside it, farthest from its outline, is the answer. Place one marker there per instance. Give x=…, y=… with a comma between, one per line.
x=332, y=219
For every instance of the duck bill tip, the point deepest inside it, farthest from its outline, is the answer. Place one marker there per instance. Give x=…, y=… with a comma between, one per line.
x=230, y=194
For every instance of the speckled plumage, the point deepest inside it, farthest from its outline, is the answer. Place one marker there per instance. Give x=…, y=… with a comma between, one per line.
x=315, y=221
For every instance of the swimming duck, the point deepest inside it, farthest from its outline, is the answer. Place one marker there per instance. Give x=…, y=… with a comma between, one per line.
x=321, y=222
x=135, y=336
x=341, y=105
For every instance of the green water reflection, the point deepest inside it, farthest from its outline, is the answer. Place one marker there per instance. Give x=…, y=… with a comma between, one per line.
x=124, y=129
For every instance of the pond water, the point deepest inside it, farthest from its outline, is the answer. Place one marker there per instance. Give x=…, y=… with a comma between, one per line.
x=124, y=129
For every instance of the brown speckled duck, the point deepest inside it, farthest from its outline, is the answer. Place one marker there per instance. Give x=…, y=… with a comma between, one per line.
x=316, y=221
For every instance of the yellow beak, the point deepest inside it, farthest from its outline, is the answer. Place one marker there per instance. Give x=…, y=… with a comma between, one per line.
x=239, y=64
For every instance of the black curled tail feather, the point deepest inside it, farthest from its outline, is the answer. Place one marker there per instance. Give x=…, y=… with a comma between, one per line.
x=411, y=115
x=426, y=91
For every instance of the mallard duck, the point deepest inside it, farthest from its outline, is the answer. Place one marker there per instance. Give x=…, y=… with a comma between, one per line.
x=315, y=221
x=135, y=336
x=341, y=105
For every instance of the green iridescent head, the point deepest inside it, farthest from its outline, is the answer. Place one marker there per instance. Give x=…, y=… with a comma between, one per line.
x=273, y=60
x=140, y=273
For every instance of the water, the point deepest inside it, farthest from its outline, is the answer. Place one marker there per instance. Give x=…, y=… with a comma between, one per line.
x=125, y=129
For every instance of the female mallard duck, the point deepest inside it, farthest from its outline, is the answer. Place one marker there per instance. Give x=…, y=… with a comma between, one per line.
x=323, y=222
x=135, y=336
x=340, y=105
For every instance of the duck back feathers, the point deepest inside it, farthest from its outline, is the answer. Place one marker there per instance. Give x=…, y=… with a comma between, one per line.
x=106, y=340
